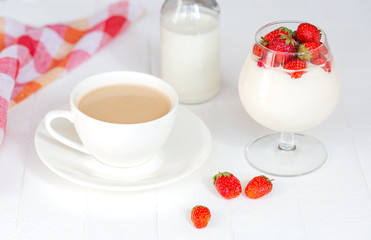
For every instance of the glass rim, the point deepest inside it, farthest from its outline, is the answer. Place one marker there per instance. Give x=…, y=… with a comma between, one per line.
x=258, y=38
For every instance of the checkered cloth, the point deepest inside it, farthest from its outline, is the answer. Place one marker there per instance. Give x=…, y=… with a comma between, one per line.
x=30, y=57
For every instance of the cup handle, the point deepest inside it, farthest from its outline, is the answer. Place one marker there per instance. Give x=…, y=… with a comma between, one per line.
x=49, y=117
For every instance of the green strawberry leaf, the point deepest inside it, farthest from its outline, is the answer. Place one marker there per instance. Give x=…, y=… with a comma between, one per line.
x=306, y=56
x=221, y=174
x=264, y=42
x=286, y=30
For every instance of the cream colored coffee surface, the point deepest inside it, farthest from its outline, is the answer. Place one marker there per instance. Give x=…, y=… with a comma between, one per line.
x=125, y=104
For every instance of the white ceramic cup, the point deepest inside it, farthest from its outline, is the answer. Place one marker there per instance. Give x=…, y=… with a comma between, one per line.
x=118, y=145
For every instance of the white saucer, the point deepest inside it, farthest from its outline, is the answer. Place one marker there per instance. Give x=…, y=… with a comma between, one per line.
x=187, y=148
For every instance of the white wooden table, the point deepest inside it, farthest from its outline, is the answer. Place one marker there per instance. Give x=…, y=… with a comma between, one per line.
x=331, y=203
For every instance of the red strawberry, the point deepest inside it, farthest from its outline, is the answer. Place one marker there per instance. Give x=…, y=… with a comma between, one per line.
x=310, y=47
x=295, y=64
x=323, y=50
x=327, y=67
x=258, y=50
x=307, y=32
x=278, y=32
x=267, y=62
x=319, y=60
x=200, y=216
x=283, y=44
x=258, y=187
x=227, y=185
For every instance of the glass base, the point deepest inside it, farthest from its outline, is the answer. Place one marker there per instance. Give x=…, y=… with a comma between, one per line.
x=265, y=155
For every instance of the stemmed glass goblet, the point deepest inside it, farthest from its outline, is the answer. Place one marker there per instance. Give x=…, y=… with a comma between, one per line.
x=288, y=92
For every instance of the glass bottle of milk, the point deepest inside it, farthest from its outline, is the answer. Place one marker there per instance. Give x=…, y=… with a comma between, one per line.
x=190, y=48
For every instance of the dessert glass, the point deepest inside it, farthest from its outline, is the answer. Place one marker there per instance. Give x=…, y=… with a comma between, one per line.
x=285, y=104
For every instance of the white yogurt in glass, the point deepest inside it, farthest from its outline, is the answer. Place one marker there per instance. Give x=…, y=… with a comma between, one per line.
x=190, y=55
x=285, y=104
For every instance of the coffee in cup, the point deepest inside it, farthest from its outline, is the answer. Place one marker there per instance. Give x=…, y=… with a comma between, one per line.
x=125, y=104
x=122, y=118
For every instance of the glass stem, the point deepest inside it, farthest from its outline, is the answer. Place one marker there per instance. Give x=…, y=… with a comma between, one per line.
x=287, y=142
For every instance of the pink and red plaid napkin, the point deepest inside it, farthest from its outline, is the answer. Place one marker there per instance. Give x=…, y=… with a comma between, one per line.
x=30, y=57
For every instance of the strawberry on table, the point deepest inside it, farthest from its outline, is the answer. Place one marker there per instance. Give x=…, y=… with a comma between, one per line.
x=307, y=32
x=295, y=64
x=258, y=187
x=200, y=216
x=227, y=185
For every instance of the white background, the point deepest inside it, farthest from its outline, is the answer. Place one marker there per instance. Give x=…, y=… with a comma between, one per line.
x=331, y=203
